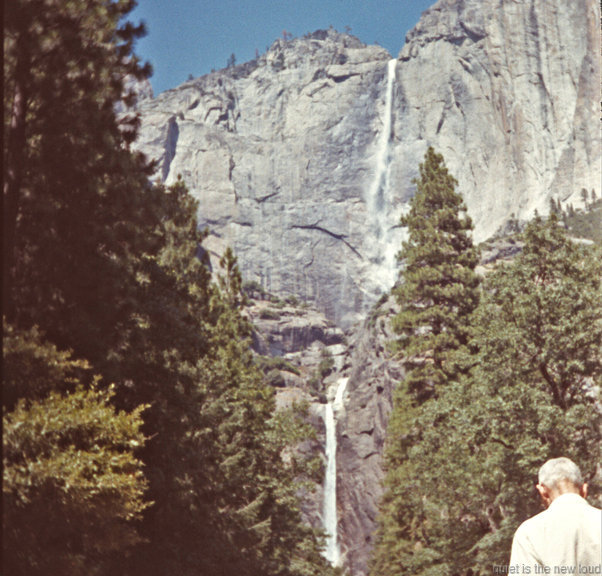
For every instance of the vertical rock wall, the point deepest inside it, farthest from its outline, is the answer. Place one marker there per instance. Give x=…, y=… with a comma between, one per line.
x=282, y=152
x=508, y=91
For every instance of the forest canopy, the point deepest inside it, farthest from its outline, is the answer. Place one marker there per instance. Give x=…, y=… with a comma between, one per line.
x=139, y=436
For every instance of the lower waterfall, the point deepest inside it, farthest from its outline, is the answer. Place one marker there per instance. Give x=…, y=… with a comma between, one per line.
x=329, y=515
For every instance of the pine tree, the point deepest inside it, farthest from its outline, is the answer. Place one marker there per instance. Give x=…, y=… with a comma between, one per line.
x=73, y=193
x=439, y=288
x=437, y=294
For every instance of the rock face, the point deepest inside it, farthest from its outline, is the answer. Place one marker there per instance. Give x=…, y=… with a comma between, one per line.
x=507, y=91
x=303, y=159
x=298, y=338
x=278, y=153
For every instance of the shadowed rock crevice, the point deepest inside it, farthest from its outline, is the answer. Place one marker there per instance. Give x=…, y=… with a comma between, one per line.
x=341, y=237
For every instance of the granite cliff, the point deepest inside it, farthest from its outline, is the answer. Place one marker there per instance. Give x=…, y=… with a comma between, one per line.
x=303, y=159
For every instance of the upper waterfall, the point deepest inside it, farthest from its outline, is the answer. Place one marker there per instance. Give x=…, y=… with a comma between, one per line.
x=383, y=219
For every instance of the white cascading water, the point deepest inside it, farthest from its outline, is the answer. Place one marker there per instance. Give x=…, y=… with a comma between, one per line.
x=383, y=242
x=329, y=515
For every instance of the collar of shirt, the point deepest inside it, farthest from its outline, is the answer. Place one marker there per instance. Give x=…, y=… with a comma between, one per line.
x=568, y=499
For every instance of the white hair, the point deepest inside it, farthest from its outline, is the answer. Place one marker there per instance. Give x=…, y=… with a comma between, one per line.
x=558, y=469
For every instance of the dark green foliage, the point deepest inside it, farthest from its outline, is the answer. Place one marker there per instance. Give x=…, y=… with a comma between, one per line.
x=326, y=363
x=269, y=314
x=473, y=451
x=34, y=368
x=66, y=165
x=268, y=363
x=254, y=289
x=224, y=499
x=585, y=223
x=292, y=301
x=275, y=379
x=378, y=310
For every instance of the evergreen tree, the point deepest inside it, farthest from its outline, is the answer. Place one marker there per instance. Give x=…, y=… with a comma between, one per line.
x=73, y=194
x=437, y=294
x=439, y=288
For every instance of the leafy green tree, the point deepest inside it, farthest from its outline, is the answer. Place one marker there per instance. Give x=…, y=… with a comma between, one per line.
x=439, y=288
x=533, y=394
x=72, y=489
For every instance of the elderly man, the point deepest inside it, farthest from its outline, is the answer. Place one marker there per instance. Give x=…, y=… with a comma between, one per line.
x=566, y=538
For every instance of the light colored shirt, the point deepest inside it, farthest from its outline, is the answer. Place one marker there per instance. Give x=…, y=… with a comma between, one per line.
x=564, y=539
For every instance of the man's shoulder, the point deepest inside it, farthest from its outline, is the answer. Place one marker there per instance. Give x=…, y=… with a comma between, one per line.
x=532, y=524
x=561, y=510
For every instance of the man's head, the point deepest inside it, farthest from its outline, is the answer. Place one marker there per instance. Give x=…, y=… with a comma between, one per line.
x=560, y=476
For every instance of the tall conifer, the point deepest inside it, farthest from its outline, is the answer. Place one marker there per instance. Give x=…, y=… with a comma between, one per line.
x=438, y=290
x=437, y=294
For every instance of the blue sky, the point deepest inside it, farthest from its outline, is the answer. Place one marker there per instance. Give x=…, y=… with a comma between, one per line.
x=195, y=36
